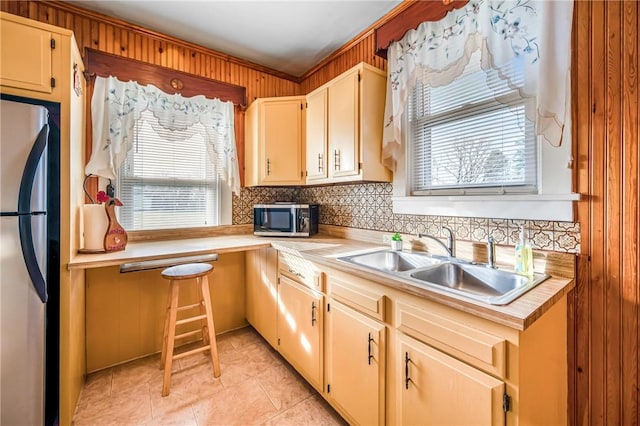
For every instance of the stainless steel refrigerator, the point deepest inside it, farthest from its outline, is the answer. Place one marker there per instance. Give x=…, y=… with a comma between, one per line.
x=28, y=244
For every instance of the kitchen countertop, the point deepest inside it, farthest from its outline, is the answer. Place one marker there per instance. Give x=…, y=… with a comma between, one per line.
x=324, y=250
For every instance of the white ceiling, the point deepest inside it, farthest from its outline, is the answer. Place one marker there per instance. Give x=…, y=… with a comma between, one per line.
x=288, y=36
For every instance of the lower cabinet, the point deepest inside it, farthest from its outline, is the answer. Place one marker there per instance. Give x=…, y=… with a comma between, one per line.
x=262, y=292
x=300, y=328
x=355, y=360
x=437, y=389
x=379, y=355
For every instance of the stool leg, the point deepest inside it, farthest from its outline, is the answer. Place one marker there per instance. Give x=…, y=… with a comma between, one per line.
x=203, y=323
x=212, y=331
x=165, y=333
x=168, y=361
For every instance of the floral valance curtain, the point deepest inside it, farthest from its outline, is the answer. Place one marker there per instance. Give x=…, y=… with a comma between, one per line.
x=531, y=37
x=116, y=106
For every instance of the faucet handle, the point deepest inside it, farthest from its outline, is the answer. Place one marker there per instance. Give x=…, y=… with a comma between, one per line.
x=491, y=253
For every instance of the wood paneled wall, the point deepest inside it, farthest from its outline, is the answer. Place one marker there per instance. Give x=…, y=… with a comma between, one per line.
x=604, y=317
x=121, y=38
x=361, y=50
x=604, y=363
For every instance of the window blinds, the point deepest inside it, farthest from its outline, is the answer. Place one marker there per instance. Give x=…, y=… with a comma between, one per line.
x=167, y=180
x=471, y=135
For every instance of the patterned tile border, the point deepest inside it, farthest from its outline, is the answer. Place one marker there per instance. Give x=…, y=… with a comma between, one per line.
x=369, y=206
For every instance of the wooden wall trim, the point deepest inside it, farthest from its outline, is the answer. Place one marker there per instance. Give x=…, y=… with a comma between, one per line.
x=69, y=7
x=106, y=64
x=412, y=15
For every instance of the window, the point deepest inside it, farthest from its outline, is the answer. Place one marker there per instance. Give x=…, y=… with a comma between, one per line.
x=470, y=150
x=478, y=113
x=166, y=182
x=471, y=136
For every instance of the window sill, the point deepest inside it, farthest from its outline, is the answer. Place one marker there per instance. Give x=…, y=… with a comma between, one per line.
x=555, y=207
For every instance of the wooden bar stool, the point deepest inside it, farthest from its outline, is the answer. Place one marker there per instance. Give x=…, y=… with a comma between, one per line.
x=176, y=275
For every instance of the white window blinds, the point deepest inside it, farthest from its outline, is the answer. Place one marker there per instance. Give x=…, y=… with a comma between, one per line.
x=167, y=181
x=471, y=135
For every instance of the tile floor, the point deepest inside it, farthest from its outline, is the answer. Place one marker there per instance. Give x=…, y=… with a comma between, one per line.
x=256, y=387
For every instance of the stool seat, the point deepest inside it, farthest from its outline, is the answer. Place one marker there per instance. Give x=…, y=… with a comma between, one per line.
x=185, y=272
x=177, y=275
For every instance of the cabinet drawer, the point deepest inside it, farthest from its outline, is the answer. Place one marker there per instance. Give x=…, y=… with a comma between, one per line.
x=369, y=302
x=483, y=350
x=301, y=270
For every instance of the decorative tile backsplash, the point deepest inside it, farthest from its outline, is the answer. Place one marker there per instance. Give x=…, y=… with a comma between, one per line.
x=369, y=206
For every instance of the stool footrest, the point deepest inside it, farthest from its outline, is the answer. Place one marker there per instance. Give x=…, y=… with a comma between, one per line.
x=192, y=319
x=186, y=307
x=188, y=333
x=191, y=352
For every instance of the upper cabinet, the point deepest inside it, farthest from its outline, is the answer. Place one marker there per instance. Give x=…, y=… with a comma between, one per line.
x=344, y=128
x=317, y=135
x=26, y=64
x=274, y=145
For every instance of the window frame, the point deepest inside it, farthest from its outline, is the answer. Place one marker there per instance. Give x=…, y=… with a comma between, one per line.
x=466, y=111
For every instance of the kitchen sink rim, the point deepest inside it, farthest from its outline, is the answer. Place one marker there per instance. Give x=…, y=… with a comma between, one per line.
x=441, y=261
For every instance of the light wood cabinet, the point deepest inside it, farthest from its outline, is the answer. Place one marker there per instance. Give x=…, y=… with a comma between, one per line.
x=355, y=364
x=430, y=363
x=262, y=292
x=31, y=55
x=274, y=141
x=345, y=137
x=300, y=328
x=439, y=390
x=317, y=135
x=27, y=56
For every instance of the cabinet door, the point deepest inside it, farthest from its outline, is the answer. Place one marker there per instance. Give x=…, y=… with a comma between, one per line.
x=356, y=364
x=262, y=292
x=300, y=328
x=317, y=135
x=281, y=141
x=26, y=57
x=344, y=125
x=437, y=389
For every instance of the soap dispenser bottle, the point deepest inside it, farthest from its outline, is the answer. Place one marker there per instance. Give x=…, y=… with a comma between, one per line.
x=523, y=255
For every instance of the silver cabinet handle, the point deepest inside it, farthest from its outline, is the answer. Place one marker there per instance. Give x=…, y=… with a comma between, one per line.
x=313, y=314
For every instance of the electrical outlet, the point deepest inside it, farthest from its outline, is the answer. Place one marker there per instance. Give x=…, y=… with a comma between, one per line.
x=386, y=238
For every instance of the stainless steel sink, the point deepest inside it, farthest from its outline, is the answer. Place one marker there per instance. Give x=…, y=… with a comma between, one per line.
x=478, y=282
x=392, y=261
x=450, y=275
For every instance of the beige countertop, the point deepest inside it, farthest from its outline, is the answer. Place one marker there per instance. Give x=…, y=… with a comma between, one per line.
x=324, y=250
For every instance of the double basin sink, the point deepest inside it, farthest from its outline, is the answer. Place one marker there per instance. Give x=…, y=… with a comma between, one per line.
x=451, y=275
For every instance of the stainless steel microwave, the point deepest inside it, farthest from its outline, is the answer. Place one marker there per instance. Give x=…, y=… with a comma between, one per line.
x=285, y=219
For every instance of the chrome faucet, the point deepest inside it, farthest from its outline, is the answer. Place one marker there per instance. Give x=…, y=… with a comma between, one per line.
x=491, y=253
x=450, y=247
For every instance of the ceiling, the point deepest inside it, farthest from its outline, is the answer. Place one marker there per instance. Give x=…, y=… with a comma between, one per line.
x=288, y=36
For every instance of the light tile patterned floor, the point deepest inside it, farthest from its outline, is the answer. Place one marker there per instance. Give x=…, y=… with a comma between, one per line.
x=256, y=387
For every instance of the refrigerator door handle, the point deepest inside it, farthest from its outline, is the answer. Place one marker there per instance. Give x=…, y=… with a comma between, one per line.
x=24, y=221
